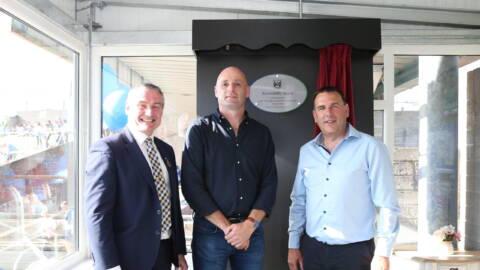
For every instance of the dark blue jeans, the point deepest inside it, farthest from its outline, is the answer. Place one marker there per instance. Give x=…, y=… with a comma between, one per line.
x=211, y=251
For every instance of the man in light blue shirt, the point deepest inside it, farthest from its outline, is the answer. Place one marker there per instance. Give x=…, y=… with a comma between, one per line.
x=343, y=176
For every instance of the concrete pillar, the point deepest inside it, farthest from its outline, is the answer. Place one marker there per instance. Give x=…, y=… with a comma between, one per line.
x=437, y=196
x=472, y=226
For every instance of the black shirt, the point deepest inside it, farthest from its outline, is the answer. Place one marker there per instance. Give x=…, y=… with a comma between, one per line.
x=221, y=171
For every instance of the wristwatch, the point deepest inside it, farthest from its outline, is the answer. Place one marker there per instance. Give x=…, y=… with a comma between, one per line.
x=254, y=222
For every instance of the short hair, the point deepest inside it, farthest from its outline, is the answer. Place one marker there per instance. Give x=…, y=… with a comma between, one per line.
x=328, y=89
x=152, y=86
x=143, y=85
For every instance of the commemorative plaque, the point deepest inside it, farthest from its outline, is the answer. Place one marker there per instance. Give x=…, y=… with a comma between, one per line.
x=278, y=93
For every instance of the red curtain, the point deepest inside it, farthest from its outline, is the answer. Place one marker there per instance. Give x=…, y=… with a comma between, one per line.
x=335, y=70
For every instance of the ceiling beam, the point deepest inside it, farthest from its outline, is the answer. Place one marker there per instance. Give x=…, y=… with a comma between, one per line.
x=261, y=7
x=430, y=36
x=142, y=37
x=397, y=14
x=315, y=9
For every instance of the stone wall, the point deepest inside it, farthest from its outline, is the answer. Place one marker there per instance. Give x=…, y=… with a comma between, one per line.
x=405, y=165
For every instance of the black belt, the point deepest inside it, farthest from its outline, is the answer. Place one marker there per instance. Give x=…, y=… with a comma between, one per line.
x=234, y=220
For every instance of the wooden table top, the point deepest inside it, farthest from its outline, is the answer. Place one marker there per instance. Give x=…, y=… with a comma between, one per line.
x=457, y=257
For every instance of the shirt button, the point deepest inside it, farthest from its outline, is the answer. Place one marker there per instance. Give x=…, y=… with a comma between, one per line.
x=238, y=161
x=241, y=197
x=229, y=128
x=157, y=232
x=159, y=212
x=324, y=195
x=240, y=179
x=324, y=212
x=329, y=163
x=237, y=144
x=327, y=179
x=324, y=228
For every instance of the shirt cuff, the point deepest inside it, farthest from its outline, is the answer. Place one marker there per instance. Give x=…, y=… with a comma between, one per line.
x=383, y=247
x=294, y=241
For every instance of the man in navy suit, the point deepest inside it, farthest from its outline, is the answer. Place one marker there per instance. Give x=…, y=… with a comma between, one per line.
x=132, y=203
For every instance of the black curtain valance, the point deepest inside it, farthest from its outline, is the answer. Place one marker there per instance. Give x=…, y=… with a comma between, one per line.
x=210, y=35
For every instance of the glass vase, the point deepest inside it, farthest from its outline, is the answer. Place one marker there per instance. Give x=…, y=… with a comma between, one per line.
x=445, y=248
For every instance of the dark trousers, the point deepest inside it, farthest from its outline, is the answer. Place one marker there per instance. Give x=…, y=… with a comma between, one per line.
x=164, y=256
x=321, y=256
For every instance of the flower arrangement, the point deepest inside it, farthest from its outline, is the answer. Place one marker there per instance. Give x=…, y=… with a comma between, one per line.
x=447, y=233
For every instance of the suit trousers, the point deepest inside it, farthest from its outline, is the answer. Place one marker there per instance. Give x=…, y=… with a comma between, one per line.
x=321, y=256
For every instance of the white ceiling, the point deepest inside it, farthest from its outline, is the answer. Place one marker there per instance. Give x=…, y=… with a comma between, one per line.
x=174, y=75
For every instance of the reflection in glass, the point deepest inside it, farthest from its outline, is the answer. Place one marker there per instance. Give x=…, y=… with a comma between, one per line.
x=37, y=147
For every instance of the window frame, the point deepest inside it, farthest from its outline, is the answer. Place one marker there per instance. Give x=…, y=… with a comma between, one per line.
x=45, y=25
x=389, y=52
x=387, y=105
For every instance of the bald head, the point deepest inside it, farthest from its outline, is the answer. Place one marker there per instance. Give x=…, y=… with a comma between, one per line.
x=232, y=70
x=231, y=89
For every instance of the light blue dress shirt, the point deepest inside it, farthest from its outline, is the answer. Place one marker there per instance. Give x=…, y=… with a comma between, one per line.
x=335, y=195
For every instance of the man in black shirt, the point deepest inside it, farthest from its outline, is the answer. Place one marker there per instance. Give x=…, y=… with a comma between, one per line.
x=229, y=178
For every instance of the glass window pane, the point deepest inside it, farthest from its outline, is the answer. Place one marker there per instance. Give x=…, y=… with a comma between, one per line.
x=378, y=76
x=378, y=124
x=38, y=147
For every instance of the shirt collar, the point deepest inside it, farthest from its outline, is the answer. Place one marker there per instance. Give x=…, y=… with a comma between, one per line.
x=351, y=132
x=138, y=136
x=218, y=116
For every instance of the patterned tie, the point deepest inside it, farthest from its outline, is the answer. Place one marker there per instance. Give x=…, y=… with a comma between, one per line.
x=160, y=184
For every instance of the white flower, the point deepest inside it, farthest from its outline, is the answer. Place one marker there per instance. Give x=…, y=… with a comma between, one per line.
x=447, y=233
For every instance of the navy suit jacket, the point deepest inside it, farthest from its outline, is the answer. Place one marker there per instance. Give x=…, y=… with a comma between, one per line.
x=123, y=211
